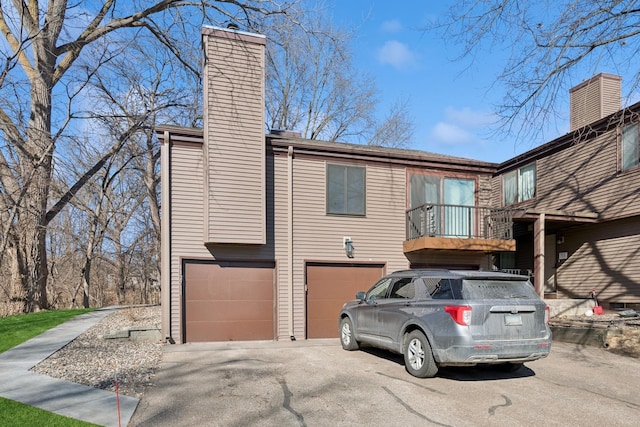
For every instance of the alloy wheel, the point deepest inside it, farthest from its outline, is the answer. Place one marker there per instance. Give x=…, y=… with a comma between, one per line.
x=416, y=354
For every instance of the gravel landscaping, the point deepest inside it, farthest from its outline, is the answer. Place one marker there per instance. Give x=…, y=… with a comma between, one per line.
x=98, y=362
x=92, y=360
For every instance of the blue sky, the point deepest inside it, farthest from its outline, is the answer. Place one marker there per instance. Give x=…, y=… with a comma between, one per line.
x=451, y=101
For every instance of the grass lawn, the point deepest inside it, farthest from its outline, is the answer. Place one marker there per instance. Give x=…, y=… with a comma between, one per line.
x=18, y=414
x=17, y=329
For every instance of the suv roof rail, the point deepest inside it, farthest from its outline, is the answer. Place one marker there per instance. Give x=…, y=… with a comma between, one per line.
x=422, y=270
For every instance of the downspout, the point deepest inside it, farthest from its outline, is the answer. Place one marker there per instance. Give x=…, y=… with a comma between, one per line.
x=165, y=235
x=290, y=239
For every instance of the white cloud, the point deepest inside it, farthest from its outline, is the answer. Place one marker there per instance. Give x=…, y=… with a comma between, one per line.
x=468, y=118
x=396, y=54
x=392, y=26
x=462, y=127
x=450, y=134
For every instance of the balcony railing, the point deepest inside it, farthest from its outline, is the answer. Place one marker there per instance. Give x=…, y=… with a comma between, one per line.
x=456, y=221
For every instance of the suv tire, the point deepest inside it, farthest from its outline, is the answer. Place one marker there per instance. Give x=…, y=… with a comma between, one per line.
x=347, y=338
x=418, y=358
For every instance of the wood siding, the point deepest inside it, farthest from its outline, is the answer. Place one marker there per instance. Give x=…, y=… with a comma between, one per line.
x=234, y=137
x=603, y=257
x=317, y=237
x=187, y=213
x=594, y=99
x=579, y=180
x=584, y=178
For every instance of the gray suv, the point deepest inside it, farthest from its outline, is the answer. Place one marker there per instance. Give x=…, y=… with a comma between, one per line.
x=449, y=318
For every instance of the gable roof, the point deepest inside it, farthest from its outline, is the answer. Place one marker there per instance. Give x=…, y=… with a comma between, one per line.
x=578, y=136
x=418, y=158
x=402, y=156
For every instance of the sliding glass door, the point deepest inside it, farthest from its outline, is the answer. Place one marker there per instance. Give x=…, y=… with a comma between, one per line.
x=447, y=206
x=459, y=219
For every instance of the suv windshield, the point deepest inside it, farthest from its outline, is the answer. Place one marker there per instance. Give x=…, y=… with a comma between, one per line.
x=497, y=289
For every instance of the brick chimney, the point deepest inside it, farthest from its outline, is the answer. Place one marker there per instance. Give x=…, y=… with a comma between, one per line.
x=594, y=99
x=234, y=136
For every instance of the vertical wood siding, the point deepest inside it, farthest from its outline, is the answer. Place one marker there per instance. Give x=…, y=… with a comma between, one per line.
x=594, y=99
x=234, y=138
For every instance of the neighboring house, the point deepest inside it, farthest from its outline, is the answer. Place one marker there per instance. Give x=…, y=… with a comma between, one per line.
x=266, y=236
x=578, y=229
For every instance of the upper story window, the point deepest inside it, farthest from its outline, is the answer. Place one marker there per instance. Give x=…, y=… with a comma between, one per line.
x=428, y=189
x=629, y=147
x=346, y=193
x=441, y=206
x=519, y=185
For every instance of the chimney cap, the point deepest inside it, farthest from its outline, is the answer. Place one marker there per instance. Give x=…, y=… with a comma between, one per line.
x=229, y=32
x=595, y=78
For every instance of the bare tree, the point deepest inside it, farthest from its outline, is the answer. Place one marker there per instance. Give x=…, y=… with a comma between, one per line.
x=44, y=64
x=313, y=87
x=395, y=129
x=552, y=46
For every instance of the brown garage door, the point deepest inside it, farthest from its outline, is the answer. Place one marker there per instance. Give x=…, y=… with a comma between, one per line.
x=228, y=301
x=329, y=286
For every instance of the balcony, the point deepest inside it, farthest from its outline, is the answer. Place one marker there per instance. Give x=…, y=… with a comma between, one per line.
x=459, y=228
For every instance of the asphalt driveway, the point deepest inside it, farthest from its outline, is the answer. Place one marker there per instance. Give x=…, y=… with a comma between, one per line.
x=316, y=383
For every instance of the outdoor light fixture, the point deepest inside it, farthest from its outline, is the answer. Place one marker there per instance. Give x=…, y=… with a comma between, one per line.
x=348, y=246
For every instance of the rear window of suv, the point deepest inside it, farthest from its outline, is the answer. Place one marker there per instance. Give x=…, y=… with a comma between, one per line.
x=497, y=289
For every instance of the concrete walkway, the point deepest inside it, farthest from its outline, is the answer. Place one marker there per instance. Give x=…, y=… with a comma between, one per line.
x=62, y=397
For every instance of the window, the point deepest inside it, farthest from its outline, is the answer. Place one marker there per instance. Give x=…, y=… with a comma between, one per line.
x=447, y=206
x=379, y=290
x=345, y=189
x=403, y=288
x=519, y=185
x=630, y=154
x=443, y=290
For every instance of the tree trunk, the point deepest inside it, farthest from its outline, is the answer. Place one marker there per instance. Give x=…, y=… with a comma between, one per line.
x=31, y=245
x=86, y=278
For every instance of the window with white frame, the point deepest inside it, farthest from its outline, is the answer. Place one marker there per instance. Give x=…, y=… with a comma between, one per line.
x=346, y=193
x=519, y=185
x=629, y=147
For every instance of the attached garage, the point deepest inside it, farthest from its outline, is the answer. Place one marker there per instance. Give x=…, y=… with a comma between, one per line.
x=329, y=286
x=228, y=301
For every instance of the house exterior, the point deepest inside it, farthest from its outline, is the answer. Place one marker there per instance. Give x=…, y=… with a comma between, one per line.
x=578, y=227
x=264, y=237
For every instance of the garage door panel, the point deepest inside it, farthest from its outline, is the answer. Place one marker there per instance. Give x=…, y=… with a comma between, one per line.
x=258, y=290
x=221, y=291
x=229, y=301
x=230, y=331
x=205, y=291
x=329, y=287
x=241, y=310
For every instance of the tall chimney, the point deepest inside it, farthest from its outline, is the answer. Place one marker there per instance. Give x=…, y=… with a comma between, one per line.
x=234, y=136
x=594, y=99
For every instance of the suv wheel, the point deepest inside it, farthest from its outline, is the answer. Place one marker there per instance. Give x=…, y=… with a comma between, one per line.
x=418, y=358
x=347, y=339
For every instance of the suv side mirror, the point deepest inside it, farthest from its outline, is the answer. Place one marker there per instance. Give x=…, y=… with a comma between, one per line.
x=361, y=296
